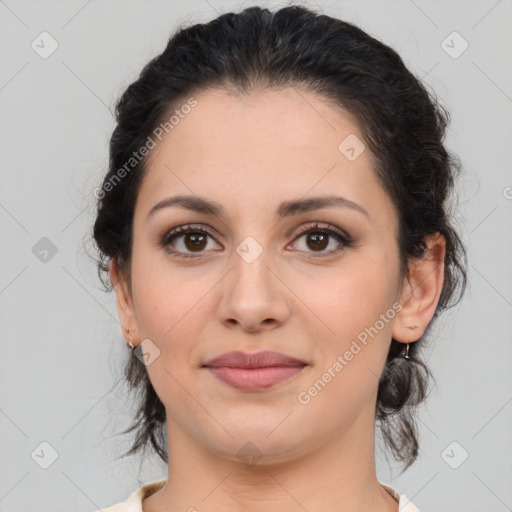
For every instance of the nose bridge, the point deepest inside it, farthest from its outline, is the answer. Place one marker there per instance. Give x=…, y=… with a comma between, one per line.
x=252, y=294
x=252, y=261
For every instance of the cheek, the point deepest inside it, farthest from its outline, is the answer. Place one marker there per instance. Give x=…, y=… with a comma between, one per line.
x=353, y=318
x=172, y=307
x=350, y=297
x=161, y=295
x=169, y=312
x=357, y=314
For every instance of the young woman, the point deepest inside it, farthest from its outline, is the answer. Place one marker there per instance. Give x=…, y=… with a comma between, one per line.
x=274, y=222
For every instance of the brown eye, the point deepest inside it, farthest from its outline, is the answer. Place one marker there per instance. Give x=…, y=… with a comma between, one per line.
x=184, y=240
x=195, y=241
x=317, y=239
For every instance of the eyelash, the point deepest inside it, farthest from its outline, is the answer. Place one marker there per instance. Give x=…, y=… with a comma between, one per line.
x=316, y=228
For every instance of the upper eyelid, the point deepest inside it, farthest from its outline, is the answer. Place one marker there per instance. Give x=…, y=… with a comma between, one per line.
x=304, y=228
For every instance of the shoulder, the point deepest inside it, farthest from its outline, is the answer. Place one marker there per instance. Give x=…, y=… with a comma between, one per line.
x=134, y=502
x=404, y=504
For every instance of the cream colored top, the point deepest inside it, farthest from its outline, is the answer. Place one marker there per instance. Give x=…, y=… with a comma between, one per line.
x=134, y=501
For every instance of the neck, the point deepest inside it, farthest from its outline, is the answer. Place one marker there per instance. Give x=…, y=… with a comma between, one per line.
x=336, y=475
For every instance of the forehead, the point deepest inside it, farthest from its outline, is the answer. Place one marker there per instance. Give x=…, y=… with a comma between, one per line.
x=301, y=119
x=261, y=147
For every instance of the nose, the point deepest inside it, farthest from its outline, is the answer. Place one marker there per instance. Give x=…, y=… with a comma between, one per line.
x=253, y=296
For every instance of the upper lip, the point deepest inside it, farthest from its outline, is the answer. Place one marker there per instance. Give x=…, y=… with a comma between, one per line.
x=239, y=359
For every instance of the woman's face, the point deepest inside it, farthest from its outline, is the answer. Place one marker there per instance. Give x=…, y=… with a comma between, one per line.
x=255, y=283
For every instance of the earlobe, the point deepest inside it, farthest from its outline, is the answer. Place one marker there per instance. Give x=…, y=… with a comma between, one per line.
x=124, y=303
x=420, y=292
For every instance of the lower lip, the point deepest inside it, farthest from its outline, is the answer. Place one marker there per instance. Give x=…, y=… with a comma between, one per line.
x=254, y=379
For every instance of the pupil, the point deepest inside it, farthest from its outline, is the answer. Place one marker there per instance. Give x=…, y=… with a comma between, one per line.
x=318, y=237
x=196, y=243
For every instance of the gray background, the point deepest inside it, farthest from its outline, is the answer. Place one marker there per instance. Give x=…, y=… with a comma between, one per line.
x=62, y=353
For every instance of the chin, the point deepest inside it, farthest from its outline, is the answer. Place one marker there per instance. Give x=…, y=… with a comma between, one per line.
x=267, y=445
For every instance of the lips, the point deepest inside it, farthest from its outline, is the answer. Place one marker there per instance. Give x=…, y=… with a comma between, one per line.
x=246, y=360
x=254, y=372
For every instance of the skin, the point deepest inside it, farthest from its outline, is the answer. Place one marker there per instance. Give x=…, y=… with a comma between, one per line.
x=249, y=153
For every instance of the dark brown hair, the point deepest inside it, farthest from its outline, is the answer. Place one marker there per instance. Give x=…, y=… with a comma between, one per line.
x=403, y=125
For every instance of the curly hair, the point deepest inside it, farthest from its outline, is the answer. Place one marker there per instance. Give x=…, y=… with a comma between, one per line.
x=402, y=122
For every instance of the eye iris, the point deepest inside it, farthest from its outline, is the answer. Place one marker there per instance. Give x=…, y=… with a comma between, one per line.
x=199, y=240
x=317, y=237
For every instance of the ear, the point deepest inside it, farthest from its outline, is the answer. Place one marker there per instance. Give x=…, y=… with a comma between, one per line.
x=124, y=301
x=420, y=291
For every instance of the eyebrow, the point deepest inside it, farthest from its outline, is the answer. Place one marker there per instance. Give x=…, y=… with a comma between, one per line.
x=286, y=208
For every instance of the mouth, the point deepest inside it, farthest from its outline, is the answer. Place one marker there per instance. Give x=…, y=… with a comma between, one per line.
x=256, y=371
